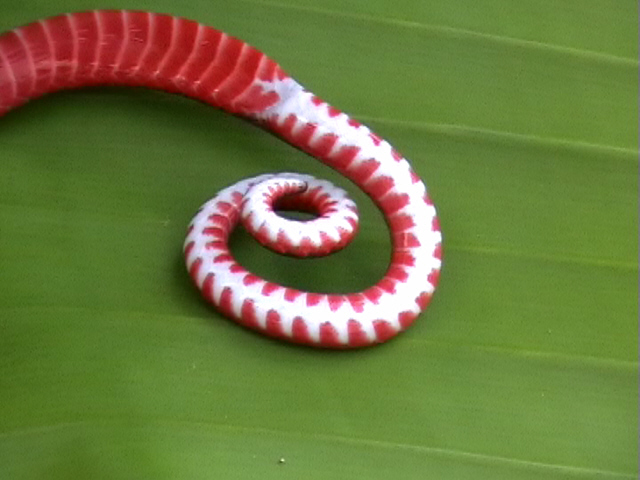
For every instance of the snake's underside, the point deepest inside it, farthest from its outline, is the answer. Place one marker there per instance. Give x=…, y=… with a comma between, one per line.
x=133, y=48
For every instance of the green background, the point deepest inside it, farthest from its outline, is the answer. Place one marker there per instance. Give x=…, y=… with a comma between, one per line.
x=521, y=116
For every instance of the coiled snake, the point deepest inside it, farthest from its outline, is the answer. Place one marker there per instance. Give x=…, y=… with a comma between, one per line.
x=133, y=48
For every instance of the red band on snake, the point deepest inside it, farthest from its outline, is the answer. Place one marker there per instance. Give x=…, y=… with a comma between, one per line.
x=133, y=48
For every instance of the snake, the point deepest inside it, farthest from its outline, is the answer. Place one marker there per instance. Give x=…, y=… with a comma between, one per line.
x=177, y=55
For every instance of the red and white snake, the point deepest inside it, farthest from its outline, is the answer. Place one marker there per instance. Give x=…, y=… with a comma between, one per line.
x=133, y=48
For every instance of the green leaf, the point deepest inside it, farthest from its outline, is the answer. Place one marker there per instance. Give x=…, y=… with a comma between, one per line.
x=521, y=116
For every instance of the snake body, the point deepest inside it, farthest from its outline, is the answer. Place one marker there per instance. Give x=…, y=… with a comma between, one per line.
x=134, y=48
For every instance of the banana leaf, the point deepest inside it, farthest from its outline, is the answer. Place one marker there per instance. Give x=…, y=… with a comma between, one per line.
x=521, y=117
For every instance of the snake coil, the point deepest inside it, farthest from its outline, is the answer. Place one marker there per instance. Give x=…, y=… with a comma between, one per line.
x=134, y=48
